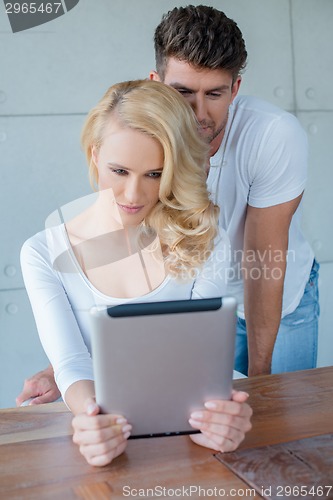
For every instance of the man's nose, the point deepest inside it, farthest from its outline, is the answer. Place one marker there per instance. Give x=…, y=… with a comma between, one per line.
x=200, y=109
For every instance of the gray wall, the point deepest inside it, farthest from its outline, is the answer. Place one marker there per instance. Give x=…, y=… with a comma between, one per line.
x=52, y=75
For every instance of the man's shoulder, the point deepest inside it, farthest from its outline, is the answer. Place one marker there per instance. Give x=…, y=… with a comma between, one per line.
x=264, y=116
x=255, y=106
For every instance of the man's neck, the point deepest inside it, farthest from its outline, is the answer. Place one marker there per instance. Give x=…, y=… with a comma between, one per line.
x=216, y=143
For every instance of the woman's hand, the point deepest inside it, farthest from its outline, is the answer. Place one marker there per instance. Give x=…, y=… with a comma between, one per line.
x=223, y=424
x=101, y=438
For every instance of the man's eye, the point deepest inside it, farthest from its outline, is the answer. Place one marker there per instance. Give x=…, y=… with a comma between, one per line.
x=184, y=91
x=215, y=95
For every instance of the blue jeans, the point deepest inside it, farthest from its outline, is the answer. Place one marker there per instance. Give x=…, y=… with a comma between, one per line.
x=297, y=340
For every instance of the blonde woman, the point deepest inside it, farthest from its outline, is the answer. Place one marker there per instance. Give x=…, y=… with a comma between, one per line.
x=150, y=234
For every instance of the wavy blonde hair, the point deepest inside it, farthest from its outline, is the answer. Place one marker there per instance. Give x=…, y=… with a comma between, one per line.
x=184, y=218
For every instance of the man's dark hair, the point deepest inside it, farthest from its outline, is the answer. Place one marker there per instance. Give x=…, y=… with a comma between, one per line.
x=201, y=36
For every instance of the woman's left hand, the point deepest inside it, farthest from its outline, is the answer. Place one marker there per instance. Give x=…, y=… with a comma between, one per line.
x=223, y=424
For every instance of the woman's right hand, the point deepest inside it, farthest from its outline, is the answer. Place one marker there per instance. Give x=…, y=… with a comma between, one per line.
x=101, y=438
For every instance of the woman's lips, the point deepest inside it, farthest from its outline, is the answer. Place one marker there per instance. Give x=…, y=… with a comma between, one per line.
x=130, y=209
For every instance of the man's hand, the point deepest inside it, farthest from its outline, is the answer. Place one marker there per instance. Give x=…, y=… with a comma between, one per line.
x=41, y=387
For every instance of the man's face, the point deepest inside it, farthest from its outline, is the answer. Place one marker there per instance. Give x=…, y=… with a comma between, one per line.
x=210, y=93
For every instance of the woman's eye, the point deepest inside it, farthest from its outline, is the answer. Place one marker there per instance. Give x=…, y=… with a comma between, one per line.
x=155, y=175
x=119, y=171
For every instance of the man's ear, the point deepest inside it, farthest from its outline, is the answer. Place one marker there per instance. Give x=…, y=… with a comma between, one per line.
x=235, y=87
x=153, y=75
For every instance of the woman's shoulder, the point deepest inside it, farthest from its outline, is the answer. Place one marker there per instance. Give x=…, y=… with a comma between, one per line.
x=39, y=243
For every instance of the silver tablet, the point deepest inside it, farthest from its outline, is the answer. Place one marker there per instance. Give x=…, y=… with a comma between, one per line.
x=156, y=362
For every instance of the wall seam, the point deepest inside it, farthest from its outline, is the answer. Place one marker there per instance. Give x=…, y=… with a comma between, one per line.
x=293, y=59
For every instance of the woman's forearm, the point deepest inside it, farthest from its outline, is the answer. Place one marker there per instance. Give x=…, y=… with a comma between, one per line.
x=78, y=393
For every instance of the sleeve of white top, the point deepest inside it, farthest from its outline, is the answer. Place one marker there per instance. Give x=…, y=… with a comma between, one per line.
x=56, y=323
x=281, y=167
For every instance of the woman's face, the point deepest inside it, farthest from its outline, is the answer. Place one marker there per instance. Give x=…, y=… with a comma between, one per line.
x=129, y=163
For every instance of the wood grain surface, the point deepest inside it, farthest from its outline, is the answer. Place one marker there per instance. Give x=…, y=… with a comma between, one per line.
x=302, y=468
x=289, y=406
x=39, y=461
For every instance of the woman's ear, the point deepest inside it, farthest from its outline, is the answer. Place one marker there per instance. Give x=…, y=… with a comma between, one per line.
x=94, y=154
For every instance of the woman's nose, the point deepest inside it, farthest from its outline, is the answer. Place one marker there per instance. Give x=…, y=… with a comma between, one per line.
x=132, y=191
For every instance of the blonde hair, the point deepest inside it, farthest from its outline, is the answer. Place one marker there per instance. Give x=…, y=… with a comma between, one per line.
x=184, y=218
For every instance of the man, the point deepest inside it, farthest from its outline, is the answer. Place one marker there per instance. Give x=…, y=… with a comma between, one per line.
x=257, y=175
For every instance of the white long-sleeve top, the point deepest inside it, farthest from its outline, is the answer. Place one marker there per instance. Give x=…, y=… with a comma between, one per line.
x=62, y=299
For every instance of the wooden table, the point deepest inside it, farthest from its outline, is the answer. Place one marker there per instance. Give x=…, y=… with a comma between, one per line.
x=39, y=461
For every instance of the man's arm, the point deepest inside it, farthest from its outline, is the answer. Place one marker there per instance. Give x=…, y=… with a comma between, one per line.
x=41, y=387
x=264, y=265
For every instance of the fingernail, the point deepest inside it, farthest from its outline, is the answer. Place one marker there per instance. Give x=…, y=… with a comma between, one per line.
x=194, y=423
x=120, y=420
x=127, y=435
x=196, y=414
x=210, y=405
x=126, y=428
x=91, y=408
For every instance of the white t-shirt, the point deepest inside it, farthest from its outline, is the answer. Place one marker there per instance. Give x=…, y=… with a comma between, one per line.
x=61, y=300
x=261, y=162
